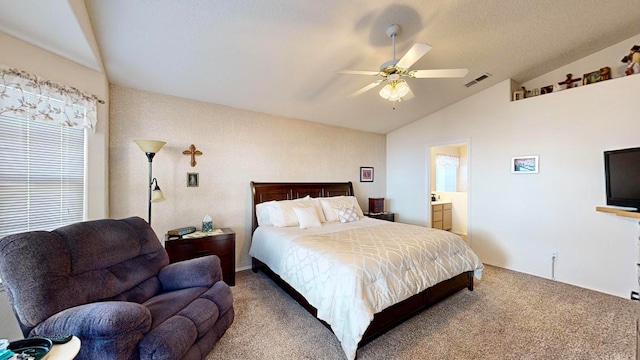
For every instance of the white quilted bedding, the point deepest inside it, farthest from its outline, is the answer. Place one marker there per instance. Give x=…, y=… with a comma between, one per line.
x=351, y=271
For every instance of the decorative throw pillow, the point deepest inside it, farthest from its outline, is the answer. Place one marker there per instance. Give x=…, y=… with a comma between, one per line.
x=285, y=216
x=332, y=205
x=347, y=215
x=307, y=217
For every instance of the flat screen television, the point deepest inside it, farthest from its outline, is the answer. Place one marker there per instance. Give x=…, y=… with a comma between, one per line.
x=622, y=172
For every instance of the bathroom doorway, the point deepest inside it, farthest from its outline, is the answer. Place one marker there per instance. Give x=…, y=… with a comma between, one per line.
x=448, y=186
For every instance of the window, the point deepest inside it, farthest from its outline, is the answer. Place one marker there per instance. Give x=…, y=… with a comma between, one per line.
x=41, y=175
x=42, y=157
x=446, y=172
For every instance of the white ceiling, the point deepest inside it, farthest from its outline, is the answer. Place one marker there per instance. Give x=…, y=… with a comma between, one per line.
x=280, y=56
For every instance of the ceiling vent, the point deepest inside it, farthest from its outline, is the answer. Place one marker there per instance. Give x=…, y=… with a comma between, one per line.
x=477, y=80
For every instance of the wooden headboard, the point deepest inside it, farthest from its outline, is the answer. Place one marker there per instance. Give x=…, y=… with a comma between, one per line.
x=263, y=192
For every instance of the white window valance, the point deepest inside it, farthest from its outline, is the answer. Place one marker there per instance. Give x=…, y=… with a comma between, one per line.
x=447, y=160
x=37, y=99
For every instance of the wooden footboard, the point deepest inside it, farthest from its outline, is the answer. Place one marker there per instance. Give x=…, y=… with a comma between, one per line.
x=391, y=316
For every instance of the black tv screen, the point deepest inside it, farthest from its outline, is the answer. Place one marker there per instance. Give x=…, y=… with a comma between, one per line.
x=622, y=171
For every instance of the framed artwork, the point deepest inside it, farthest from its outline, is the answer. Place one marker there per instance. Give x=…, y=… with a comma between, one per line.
x=546, y=89
x=518, y=95
x=193, y=179
x=597, y=76
x=366, y=174
x=524, y=164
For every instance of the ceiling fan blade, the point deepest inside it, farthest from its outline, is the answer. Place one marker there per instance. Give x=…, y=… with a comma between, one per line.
x=414, y=54
x=358, y=72
x=410, y=95
x=439, y=73
x=366, y=88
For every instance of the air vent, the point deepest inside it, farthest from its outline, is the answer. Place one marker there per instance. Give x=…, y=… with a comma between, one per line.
x=477, y=80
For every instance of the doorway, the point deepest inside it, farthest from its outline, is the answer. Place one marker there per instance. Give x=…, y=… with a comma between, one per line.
x=448, y=185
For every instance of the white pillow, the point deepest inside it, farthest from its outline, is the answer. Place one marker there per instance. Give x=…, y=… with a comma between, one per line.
x=307, y=217
x=264, y=211
x=347, y=215
x=318, y=206
x=285, y=216
x=331, y=206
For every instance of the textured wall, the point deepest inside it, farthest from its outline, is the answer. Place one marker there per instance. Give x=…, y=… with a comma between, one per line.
x=238, y=146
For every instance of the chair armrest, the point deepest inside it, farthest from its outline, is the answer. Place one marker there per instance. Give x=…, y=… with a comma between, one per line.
x=108, y=319
x=203, y=271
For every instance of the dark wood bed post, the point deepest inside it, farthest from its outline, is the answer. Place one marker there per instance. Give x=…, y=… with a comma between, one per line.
x=382, y=321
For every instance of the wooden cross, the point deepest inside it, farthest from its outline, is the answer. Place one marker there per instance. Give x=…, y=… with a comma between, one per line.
x=569, y=81
x=193, y=152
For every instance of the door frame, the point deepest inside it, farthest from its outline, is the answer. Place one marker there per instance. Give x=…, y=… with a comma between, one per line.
x=466, y=142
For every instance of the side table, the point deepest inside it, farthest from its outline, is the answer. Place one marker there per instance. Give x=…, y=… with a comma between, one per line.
x=67, y=351
x=382, y=216
x=223, y=245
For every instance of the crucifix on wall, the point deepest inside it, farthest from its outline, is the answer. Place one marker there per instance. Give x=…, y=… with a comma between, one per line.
x=569, y=81
x=193, y=152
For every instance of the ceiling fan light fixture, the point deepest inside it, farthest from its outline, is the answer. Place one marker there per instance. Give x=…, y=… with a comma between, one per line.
x=395, y=90
x=392, y=71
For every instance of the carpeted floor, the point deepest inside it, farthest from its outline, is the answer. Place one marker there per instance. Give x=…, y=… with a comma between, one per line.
x=509, y=315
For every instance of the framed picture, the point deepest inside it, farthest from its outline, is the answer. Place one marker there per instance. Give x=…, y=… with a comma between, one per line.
x=193, y=179
x=597, y=76
x=366, y=174
x=546, y=89
x=518, y=95
x=524, y=164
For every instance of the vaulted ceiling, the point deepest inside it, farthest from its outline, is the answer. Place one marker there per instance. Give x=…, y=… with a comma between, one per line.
x=281, y=57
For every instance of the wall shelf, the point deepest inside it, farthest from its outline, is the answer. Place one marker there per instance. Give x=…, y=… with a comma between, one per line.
x=624, y=213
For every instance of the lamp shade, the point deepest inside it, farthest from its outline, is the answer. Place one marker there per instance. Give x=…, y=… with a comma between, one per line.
x=150, y=146
x=157, y=196
x=394, y=90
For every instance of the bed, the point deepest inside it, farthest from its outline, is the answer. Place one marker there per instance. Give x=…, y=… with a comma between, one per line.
x=318, y=265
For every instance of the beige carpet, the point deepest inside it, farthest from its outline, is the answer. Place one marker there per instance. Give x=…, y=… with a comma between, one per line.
x=509, y=315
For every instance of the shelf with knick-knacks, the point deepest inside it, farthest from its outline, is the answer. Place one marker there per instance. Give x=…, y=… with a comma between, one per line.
x=568, y=83
x=631, y=66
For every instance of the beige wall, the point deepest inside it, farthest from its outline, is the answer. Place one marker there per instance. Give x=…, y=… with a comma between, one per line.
x=238, y=146
x=518, y=221
x=20, y=55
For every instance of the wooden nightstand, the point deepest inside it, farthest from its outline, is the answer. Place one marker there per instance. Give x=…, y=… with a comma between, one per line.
x=382, y=216
x=223, y=245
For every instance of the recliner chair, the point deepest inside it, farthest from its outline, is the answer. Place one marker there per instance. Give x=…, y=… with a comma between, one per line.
x=109, y=282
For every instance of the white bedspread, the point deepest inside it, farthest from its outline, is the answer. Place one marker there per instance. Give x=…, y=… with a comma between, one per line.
x=351, y=271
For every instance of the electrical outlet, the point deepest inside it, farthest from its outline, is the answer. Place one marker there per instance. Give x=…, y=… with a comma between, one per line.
x=635, y=296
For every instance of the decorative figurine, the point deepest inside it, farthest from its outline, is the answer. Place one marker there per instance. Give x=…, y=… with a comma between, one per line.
x=632, y=60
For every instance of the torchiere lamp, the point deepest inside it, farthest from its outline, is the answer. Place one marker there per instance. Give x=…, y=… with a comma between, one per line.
x=150, y=148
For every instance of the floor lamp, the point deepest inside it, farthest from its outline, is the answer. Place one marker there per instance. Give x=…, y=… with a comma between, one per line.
x=150, y=148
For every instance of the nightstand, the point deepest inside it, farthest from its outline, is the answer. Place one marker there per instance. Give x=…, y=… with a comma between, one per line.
x=382, y=216
x=223, y=245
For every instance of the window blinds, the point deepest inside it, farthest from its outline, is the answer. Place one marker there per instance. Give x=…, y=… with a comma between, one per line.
x=41, y=175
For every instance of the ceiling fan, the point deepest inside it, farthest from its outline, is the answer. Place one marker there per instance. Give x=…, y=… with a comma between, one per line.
x=393, y=70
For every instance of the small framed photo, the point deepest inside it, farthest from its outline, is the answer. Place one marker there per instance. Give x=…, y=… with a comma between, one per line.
x=546, y=89
x=597, y=76
x=366, y=174
x=193, y=179
x=524, y=164
x=518, y=95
